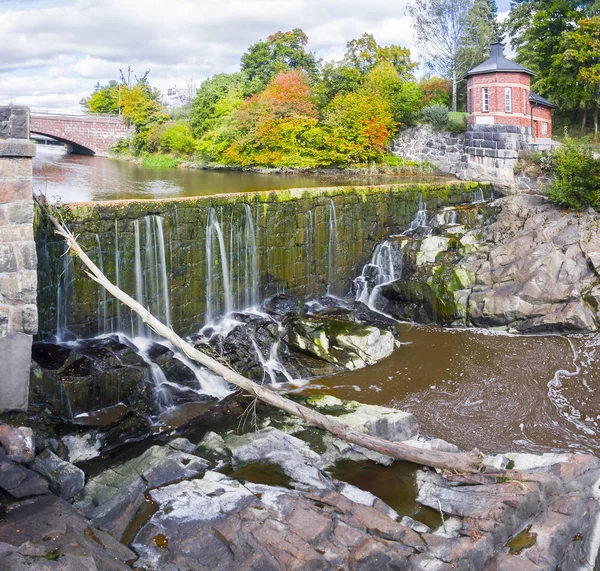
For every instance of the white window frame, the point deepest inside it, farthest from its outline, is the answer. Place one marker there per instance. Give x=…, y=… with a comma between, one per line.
x=485, y=99
x=524, y=101
x=508, y=100
x=545, y=128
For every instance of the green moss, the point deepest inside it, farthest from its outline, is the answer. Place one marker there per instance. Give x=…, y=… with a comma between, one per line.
x=522, y=541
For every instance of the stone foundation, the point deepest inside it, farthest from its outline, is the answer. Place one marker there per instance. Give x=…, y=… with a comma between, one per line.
x=484, y=152
x=18, y=261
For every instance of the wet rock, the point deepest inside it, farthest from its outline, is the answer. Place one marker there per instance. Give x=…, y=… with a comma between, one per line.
x=379, y=421
x=89, y=375
x=236, y=526
x=174, y=369
x=271, y=446
x=65, y=479
x=112, y=498
x=81, y=448
x=282, y=304
x=47, y=534
x=18, y=443
x=523, y=264
x=212, y=447
x=19, y=481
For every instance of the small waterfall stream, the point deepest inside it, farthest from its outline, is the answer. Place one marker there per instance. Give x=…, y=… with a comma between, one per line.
x=332, y=248
x=420, y=219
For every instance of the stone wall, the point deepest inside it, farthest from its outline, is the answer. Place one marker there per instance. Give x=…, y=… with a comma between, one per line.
x=304, y=242
x=18, y=276
x=484, y=152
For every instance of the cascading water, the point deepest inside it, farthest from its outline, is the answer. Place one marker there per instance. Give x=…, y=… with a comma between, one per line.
x=102, y=309
x=308, y=241
x=63, y=293
x=332, y=248
x=139, y=276
x=251, y=260
x=420, y=219
x=213, y=231
x=385, y=267
x=478, y=196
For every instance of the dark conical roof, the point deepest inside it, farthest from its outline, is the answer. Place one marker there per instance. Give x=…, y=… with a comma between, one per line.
x=498, y=62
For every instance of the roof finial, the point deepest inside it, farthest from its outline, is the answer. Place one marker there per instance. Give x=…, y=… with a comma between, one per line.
x=497, y=49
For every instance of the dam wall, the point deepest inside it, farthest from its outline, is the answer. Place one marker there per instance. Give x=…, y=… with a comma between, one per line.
x=189, y=260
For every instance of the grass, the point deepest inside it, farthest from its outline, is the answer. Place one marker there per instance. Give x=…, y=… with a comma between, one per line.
x=160, y=161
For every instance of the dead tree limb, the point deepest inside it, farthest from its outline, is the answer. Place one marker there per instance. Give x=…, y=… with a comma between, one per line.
x=457, y=462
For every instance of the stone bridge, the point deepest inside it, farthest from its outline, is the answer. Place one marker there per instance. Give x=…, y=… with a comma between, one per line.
x=84, y=134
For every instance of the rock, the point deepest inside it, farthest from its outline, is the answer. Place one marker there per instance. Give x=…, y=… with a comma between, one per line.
x=46, y=533
x=112, y=498
x=212, y=447
x=282, y=304
x=18, y=443
x=271, y=446
x=83, y=448
x=19, y=481
x=66, y=480
x=379, y=421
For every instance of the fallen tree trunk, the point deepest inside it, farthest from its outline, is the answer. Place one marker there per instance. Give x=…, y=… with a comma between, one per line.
x=458, y=462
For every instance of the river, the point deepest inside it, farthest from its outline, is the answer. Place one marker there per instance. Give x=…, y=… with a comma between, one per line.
x=80, y=178
x=493, y=391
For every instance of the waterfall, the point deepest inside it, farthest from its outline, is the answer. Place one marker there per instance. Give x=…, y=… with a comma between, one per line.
x=478, y=196
x=332, y=248
x=117, y=275
x=151, y=278
x=383, y=268
x=139, y=277
x=420, y=219
x=251, y=257
x=273, y=366
x=63, y=294
x=101, y=292
x=308, y=240
x=213, y=229
x=448, y=217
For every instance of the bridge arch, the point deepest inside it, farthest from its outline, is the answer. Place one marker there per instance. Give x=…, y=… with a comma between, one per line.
x=85, y=134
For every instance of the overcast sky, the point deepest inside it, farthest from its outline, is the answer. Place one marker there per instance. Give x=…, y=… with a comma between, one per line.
x=52, y=52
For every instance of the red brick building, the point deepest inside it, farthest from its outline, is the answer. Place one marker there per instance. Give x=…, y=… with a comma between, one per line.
x=499, y=93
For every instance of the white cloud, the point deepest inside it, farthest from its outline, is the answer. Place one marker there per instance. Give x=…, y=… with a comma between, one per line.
x=53, y=52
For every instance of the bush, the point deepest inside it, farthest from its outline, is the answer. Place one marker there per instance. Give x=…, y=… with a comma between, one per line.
x=457, y=123
x=436, y=115
x=576, y=176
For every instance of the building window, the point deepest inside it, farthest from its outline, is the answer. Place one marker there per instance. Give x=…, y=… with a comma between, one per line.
x=508, y=100
x=485, y=100
x=524, y=101
x=545, y=129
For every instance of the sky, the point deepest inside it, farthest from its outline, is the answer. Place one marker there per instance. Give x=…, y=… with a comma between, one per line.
x=53, y=52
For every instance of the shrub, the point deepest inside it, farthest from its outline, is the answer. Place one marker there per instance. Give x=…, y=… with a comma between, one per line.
x=159, y=161
x=436, y=115
x=576, y=176
x=457, y=123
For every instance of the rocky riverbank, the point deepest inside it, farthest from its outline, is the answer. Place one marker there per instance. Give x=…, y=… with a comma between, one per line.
x=519, y=263
x=281, y=498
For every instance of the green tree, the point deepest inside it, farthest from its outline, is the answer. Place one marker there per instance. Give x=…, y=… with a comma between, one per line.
x=210, y=93
x=280, y=52
x=455, y=35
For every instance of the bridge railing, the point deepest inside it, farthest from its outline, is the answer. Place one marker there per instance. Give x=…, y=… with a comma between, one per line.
x=65, y=114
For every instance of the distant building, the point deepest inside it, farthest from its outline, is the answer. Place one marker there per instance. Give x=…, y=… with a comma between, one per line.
x=499, y=93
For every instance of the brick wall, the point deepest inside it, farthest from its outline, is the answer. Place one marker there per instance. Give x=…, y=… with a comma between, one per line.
x=496, y=83
x=84, y=133
x=18, y=262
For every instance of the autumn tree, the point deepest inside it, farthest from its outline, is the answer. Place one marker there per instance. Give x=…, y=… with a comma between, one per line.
x=281, y=51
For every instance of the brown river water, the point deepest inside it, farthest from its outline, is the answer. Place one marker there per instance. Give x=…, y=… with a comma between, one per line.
x=490, y=391
x=477, y=389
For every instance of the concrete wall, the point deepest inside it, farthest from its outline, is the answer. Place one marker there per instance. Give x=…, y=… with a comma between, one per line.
x=305, y=241
x=18, y=262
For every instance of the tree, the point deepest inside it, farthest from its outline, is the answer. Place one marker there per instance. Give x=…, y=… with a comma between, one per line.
x=280, y=52
x=582, y=56
x=454, y=35
x=210, y=93
x=436, y=91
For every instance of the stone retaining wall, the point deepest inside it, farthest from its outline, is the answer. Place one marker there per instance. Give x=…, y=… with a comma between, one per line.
x=484, y=152
x=304, y=242
x=18, y=276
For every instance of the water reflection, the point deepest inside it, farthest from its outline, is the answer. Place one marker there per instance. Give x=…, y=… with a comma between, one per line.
x=72, y=178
